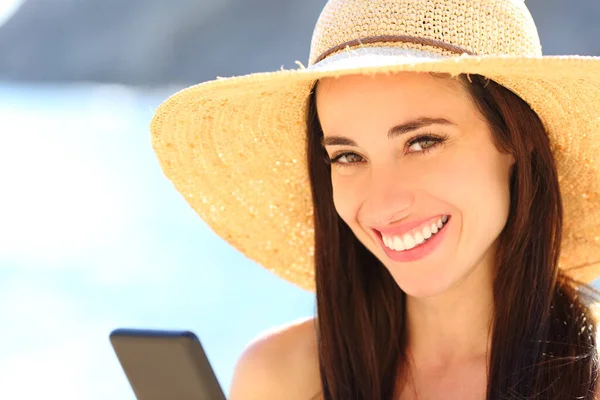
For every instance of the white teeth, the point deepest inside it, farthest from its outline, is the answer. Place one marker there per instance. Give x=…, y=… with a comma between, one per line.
x=411, y=240
x=419, y=238
x=426, y=232
x=398, y=244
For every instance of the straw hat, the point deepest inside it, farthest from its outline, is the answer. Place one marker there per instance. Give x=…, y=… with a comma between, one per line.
x=235, y=147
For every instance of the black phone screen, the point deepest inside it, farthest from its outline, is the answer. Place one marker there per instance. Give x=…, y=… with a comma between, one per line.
x=165, y=365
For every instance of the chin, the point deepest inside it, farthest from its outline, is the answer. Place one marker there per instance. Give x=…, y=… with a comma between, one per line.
x=422, y=285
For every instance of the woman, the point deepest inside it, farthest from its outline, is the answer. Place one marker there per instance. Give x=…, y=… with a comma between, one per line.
x=434, y=178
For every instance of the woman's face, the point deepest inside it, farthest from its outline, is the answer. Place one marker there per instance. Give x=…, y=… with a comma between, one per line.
x=415, y=175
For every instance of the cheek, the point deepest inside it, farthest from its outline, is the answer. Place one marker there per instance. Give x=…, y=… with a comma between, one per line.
x=347, y=197
x=478, y=184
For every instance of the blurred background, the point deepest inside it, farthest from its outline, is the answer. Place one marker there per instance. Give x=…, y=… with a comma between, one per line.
x=92, y=236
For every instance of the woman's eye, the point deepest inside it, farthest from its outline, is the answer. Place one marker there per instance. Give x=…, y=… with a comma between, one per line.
x=346, y=158
x=422, y=144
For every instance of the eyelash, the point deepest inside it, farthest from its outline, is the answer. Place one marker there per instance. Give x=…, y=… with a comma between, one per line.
x=435, y=138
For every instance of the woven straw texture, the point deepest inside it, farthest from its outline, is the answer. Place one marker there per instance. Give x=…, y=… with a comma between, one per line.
x=235, y=148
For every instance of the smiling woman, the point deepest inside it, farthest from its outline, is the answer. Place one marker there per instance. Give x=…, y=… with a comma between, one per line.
x=423, y=159
x=444, y=211
x=432, y=177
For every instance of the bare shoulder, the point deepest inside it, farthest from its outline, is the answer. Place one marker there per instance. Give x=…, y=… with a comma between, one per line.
x=280, y=364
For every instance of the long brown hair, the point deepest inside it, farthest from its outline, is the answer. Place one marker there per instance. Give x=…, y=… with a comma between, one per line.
x=543, y=339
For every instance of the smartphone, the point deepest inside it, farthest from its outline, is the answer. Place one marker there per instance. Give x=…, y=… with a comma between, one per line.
x=165, y=365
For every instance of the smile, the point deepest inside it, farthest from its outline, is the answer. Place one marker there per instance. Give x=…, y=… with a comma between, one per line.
x=415, y=237
x=410, y=243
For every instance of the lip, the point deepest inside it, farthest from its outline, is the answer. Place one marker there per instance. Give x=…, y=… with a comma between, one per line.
x=401, y=229
x=418, y=252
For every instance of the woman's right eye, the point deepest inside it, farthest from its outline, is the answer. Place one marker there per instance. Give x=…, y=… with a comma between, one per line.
x=346, y=158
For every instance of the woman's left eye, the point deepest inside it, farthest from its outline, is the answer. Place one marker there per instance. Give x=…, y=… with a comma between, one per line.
x=423, y=143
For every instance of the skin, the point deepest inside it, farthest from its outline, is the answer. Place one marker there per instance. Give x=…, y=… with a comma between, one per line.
x=386, y=181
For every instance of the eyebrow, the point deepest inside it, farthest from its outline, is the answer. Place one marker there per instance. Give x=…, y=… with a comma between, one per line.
x=395, y=131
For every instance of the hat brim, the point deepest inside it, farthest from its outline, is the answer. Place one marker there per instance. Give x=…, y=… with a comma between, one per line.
x=235, y=148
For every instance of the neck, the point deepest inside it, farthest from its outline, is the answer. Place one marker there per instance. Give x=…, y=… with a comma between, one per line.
x=455, y=326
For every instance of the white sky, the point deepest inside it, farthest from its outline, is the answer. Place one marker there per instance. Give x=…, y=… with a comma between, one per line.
x=8, y=8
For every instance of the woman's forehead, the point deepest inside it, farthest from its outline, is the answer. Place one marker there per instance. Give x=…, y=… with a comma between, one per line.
x=401, y=82
x=412, y=94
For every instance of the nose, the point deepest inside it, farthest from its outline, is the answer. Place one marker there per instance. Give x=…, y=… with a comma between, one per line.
x=390, y=195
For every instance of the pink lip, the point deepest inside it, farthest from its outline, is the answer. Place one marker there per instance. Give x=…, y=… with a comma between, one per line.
x=401, y=229
x=418, y=252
